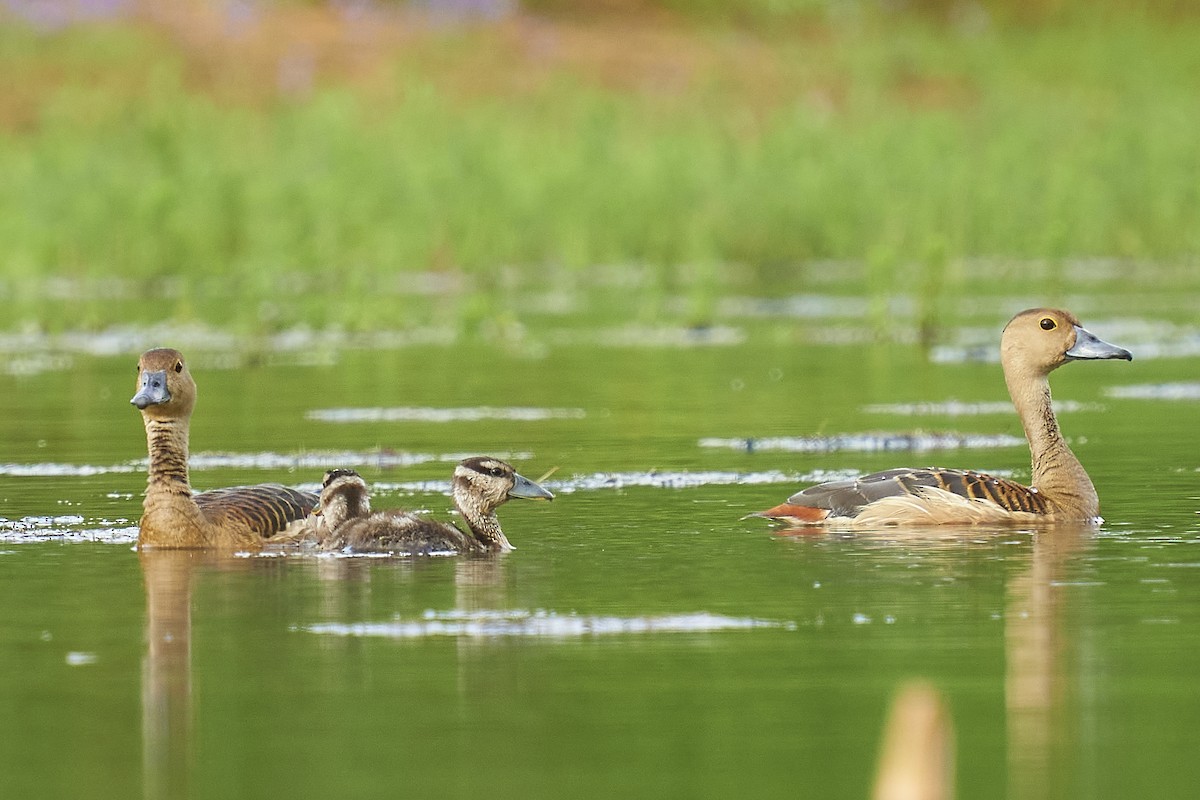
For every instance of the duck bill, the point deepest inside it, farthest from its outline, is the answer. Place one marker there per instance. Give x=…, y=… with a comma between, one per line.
x=152, y=390
x=525, y=489
x=1088, y=347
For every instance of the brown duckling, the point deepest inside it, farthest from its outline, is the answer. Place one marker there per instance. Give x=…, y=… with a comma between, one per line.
x=172, y=516
x=480, y=486
x=1034, y=343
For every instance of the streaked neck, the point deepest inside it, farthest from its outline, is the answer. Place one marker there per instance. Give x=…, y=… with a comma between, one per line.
x=484, y=525
x=167, y=444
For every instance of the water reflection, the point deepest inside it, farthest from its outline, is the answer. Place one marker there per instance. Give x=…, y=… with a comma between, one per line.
x=167, y=671
x=474, y=595
x=916, y=761
x=1036, y=678
x=1040, y=645
x=167, y=700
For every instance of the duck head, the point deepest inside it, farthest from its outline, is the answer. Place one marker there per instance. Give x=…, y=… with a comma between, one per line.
x=165, y=388
x=1040, y=340
x=344, y=495
x=487, y=483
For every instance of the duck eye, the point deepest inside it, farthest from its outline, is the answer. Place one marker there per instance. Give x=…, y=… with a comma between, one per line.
x=496, y=472
x=1048, y=324
x=179, y=364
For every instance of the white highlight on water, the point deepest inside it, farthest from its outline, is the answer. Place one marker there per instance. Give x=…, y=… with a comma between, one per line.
x=419, y=414
x=1155, y=391
x=540, y=623
x=316, y=460
x=867, y=442
x=29, y=530
x=958, y=408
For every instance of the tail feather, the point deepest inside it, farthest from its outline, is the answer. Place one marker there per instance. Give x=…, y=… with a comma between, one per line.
x=795, y=515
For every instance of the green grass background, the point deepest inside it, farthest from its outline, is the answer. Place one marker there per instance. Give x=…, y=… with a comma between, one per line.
x=909, y=141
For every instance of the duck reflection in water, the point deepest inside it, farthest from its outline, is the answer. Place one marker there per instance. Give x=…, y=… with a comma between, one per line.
x=167, y=671
x=1038, y=701
x=916, y=760
x=168, y=730
x=917, y=756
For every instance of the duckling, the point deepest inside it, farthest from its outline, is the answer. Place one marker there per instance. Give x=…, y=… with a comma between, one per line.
x=1033, y=344
x=174, y=517
x=480, y=486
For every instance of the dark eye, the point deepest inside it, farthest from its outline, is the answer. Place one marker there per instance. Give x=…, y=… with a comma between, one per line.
x=496, y=472
x=179, y=364
x=1048, y=324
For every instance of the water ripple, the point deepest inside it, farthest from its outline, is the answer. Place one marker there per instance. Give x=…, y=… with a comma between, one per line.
x=316, y=460
x=867, y=442
x=688, y=480
x=958, y=408
x=418, y=414
x=1155, y=391
x=322, y=460
x=653, y=479
x=65, y=528
x=652, y=336
x=540, y=623
x=56, y=470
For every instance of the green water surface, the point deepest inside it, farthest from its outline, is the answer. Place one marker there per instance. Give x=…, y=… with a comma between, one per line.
x=1067, y=656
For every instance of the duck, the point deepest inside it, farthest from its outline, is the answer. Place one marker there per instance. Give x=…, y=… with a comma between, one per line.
x=480, y=485
x=173, y=516
x=1033, y=344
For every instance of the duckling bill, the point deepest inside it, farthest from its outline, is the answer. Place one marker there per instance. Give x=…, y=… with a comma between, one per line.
x=480, y=485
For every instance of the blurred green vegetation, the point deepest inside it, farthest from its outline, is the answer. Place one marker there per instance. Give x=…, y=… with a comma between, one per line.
x=534, y=153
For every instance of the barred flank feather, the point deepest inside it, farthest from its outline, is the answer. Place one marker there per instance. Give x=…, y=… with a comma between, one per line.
x=265, y=509
x=848, y=496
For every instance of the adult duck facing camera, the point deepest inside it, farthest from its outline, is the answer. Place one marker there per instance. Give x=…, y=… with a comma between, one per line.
x=174, y=516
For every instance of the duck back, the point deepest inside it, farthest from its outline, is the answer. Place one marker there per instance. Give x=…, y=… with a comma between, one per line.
x=400, y=532
x=847, y=497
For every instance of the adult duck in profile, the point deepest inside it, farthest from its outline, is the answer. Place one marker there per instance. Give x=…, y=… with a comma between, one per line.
x=479, y=487
x=174, y=516
x=1034, y=343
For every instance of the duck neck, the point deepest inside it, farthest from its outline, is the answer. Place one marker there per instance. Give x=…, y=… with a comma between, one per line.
x=483, y=523
x=1057, y=473
x=167, y=443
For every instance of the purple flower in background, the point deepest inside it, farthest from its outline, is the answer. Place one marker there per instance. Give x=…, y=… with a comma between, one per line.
x=460, y=10
x=354, y=10
x=242, y=14
x=54, y=14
